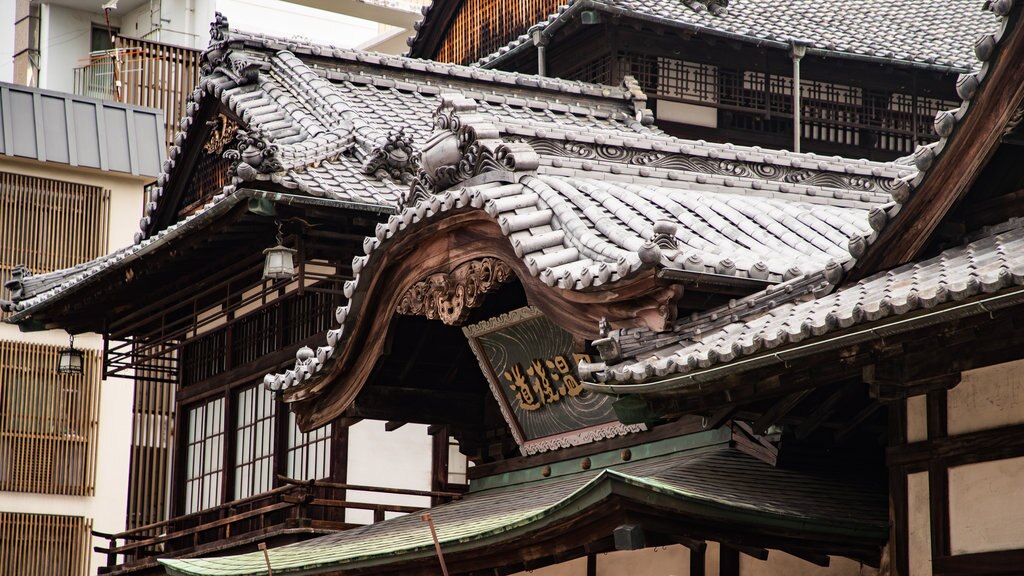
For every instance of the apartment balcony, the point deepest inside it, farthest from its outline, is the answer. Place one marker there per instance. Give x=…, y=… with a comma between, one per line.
x=293, y=512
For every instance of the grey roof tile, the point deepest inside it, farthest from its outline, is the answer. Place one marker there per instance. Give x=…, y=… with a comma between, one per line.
x=985, y=266
x=939, y=33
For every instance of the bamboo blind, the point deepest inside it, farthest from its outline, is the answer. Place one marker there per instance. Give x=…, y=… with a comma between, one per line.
x=482, y=26
x=48, y=421
x=158, y=75
x=153, y=436
x=50, y=224
x=44, y=545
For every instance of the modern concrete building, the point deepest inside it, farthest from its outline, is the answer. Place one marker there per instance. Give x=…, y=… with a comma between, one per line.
x=72, y=177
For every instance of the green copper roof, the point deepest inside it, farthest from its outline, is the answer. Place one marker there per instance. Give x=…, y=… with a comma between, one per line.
x=712, y=483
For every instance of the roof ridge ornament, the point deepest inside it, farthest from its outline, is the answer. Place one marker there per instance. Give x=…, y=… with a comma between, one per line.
x=395, y=155
x=465, y=143
x=254, y=154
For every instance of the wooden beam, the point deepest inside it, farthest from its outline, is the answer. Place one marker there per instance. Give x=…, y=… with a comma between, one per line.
x=779, y=410
x=820, y=414
x=392, y=425
x=1003, y=562
x=969, y=448
x=865, y=413
x=954, y=172
x=752, y=551
x=822, y=560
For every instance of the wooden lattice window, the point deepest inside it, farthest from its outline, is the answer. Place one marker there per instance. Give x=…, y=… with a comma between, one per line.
x=48, y=421
x=44, y=545
x=482, y=26
x=309, y=454
x=254, y=441
x=53, y=224
x=205, y=456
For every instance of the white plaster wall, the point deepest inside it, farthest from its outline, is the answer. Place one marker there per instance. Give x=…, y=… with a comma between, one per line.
x=919, y=543
x=660, y=561
x=782, y=564
x=675, y=561
x=64, y=44
x=7, y=40
x=687, y=114
x=917, y=418
x=398, y=459
x=986, y=506
x=987, y=398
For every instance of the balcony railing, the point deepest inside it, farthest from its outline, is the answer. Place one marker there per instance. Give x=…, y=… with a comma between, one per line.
x=149, y=74
x=309, y=508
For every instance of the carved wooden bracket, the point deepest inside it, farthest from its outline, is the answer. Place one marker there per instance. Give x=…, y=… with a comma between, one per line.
x=449, y=297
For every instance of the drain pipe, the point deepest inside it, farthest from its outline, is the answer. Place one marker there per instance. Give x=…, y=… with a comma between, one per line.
x=797, y=51
x=540, y=40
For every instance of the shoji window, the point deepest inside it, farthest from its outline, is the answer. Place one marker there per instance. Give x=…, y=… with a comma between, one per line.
x=44, y=545
x=48, y=421
x=204, y=456
x=309, y=454
x=254, y=437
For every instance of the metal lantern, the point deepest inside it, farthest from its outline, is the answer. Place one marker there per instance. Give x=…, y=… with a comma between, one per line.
x=70, y=360
x=279, y=261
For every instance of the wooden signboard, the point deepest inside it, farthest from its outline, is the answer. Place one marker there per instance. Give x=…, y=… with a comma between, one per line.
x=530, y=365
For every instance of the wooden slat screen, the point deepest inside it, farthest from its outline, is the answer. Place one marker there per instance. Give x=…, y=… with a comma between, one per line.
x=482, y=26
x=48, y=421
x=152, y=438
x=53, y=224
x=44, y=545
x=159, y=76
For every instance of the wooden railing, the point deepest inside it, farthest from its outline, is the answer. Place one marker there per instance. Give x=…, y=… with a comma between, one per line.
x=317, y=505
x=150, y=73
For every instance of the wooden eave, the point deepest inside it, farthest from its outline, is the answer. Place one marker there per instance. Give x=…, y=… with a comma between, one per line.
x=438, y=248
x=433, y=28
x=955, y=170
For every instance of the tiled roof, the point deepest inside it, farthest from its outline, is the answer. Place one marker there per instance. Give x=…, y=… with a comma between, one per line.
x=749, y=328
x=324, y=112
x=715, y=478
x=936, y=33
x=596, y=207
x=31, y=291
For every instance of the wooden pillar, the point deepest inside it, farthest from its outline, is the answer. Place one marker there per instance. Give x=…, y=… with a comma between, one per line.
x=938, y=478
x=728, y=561
x=698, y=561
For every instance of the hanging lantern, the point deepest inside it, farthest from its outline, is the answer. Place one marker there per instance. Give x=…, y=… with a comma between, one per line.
x=279, y=261
x=70, y=360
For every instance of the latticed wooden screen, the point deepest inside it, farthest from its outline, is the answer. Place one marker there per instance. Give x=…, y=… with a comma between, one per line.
x=54, y=224
x=158, y=75
x=44, y=545
x=482, y=26
x=152, y=437
x=48, y=421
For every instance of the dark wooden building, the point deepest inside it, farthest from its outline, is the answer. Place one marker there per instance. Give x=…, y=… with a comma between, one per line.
x=659, y=354
x=872, y=74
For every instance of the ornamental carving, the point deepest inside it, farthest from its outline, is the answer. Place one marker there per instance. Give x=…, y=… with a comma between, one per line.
x=254, y=155
x=706, y=165
x=449, y=297
x=465, y=143
x=394, y=155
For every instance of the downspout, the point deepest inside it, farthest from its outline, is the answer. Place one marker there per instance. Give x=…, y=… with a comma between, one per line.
x=540, y=40
x=796, y=52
